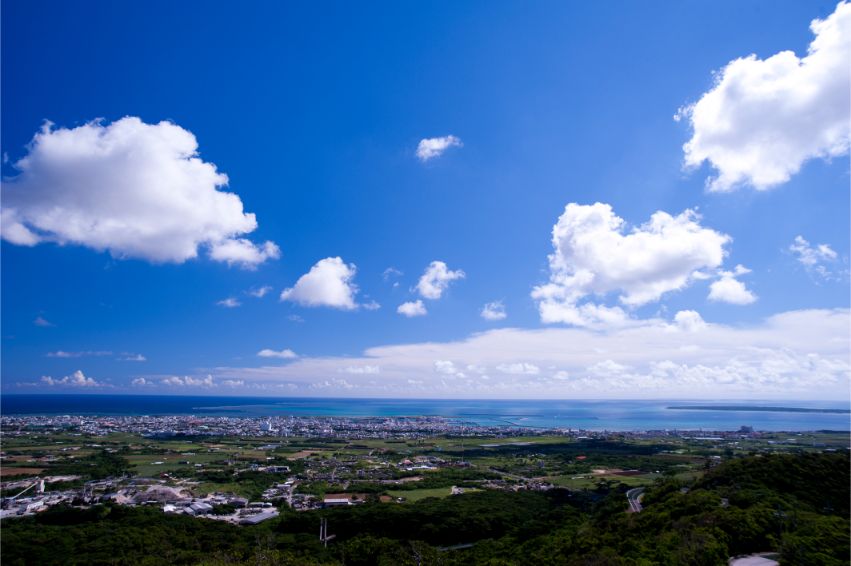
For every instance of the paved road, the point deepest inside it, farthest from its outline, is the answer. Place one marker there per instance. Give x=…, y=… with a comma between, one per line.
x=761, y=559
x=509, y=476
x=634, y=498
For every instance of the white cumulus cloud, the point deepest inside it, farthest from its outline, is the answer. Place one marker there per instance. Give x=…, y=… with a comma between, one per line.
x=765, y=117
x=134, y=189
x=429, y=148
x=188, y=381
x=76, y=379
x=244, y=253
x=689, y=321
x=728, y=289
x=327, y=284
x=412, y=309
x=229, y=303
x=594, y=255
x=436, y=279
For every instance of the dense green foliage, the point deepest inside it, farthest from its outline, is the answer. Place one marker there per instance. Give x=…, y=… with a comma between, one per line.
x=795, y=505
x=137, y=535
x=99, y=465
x=251, y=484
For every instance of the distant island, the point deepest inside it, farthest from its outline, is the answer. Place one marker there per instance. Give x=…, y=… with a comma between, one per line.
x=757, y=408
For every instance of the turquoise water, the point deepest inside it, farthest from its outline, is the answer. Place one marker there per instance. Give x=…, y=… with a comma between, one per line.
x=582, y=414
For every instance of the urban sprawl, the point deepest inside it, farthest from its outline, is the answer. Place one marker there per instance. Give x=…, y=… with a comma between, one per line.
x=243, y=470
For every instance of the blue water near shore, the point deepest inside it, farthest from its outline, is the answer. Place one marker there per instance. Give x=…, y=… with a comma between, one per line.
x=577, y=414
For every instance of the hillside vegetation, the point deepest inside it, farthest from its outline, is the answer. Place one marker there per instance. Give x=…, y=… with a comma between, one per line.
x=794, y=504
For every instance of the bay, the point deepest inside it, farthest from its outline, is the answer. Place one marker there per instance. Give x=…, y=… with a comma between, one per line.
x=615, y=415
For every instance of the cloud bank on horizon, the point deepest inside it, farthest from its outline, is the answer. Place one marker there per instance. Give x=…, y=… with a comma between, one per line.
x=802, y=354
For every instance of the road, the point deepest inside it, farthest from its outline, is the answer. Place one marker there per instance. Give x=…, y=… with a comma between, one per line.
x=634, y=498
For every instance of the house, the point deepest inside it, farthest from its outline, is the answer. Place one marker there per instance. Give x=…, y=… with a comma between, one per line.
x=343, y=499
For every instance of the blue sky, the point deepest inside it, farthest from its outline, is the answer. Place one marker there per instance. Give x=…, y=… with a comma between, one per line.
x=120, y=252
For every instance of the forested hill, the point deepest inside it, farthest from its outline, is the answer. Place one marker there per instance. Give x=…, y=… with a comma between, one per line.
x=796, y=505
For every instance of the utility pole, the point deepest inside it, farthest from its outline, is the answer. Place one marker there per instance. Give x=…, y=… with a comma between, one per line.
x=324, y=537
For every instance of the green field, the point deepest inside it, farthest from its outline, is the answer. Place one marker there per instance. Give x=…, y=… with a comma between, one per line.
x=412, y=495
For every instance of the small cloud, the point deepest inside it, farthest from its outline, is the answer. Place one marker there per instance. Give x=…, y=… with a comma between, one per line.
x=391, y=273
x=285, y=354
x=429, y=148
x=129, y=357
x=64, y=354
x=141, y=382
x=244, y=253
x=436, y=279
x=371, y=306
x=412, y=309
x=230, y=303
x=233, y=382
x=295, y=318
x=260, y=292
x=728, y=289
x=43, y=322
x=814, y=258
x=494, y=311
x=327, y=284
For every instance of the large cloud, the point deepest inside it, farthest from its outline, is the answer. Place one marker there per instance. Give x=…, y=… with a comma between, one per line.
x=793, y=355
x=595, y=255
x=327, y=284
x=765, y=117
x=137, y=190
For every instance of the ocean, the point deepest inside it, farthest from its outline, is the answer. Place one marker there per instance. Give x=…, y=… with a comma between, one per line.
x=612, y=415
